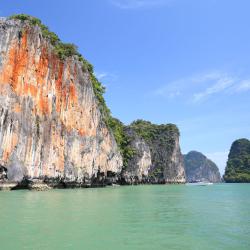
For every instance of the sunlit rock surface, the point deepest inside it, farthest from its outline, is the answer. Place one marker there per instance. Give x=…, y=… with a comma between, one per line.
x=50, y=125
x=199, y=168
x=137, y=170
x=157, y=158
x=52, y=130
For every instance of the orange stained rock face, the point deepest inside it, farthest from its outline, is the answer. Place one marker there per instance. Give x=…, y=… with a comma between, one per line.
x=16, y=69
x=30, y=90
x=18, y=57
x=43, y=103
x=17, y=108
x=58, y=145
x=72, y=93
x=40, y=78
x=52, y=125
x=10, y=143
x=58, y=85
x=82, y=132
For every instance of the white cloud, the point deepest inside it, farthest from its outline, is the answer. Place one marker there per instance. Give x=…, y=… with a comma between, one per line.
x=135, y=4
x=221, y=84
x=106, y=78
x=201, y=87
x=244, y=85
x=220, y=158
x=101, y=76
x=172, y=90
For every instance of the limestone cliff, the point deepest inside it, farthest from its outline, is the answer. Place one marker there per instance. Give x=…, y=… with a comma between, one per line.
x=55, y=127
x=51, y=126
x=157, y=156
x=199, y=168
x=139, y=164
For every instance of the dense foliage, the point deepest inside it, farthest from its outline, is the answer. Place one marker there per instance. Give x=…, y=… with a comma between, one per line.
x=161, y=140
x=238, y=164
x=64, y=50
x=122, y=139
x=149, y=131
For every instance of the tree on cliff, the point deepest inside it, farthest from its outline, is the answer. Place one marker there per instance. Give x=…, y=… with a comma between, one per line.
x=238, y=164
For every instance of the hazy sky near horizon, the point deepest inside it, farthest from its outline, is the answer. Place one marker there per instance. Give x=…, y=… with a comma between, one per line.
x=167, y=61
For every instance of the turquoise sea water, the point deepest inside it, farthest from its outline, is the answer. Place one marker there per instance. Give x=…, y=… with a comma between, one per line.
x=135, y=217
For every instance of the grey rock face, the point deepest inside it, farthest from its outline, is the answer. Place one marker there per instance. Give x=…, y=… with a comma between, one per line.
x=157, y=155
x=199, y=168
x=3, y=173
x=138, y=166
x=51, y=127
x=168, y=166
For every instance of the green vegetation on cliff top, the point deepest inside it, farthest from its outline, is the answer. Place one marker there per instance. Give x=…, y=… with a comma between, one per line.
x=149, y=131
x=62, y=49
x=122, y=139
x=161, y=140
x=238, y=164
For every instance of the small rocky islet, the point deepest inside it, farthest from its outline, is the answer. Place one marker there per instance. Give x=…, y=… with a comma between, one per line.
x=199, y=168
x=56, y=130
x=238, y=164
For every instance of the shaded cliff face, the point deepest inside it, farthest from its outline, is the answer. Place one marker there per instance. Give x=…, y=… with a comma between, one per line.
x=139, y=164
x=199, y=168
x=50, y=122
x=165, y=161
x=238, y=164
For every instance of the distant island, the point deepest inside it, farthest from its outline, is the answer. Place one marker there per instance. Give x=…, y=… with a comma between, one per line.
x=238, y=164
x=199, y=168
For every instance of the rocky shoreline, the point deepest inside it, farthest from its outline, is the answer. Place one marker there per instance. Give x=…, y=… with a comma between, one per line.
x=99, y=181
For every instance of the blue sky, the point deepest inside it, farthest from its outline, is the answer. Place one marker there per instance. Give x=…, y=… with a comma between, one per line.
x=167, y=61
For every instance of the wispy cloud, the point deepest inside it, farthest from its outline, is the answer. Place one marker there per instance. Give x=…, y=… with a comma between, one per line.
x=106, y=78
x=101, y=76
x=201, y=87
x=244, y=86
x=171, y=90
x=221, y=83
x=135, y=4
